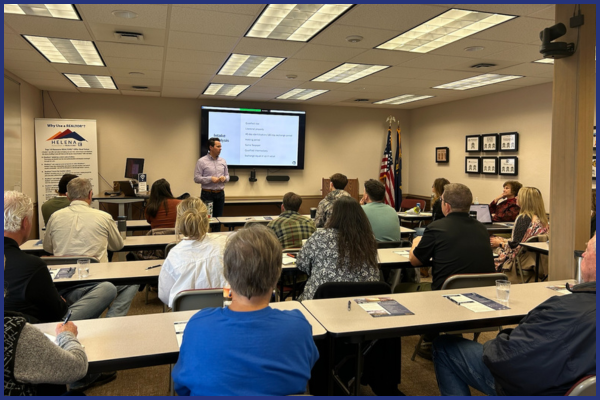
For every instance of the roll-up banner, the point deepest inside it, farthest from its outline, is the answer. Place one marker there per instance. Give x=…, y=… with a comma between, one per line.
x=64, y=146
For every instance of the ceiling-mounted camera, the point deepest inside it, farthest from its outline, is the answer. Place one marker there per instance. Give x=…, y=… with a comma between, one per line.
x=551, y=49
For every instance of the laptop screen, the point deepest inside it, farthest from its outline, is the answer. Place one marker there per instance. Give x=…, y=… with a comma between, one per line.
x=483, y=213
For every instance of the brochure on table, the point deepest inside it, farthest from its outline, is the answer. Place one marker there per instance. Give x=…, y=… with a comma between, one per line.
x=475, y=302
x=382, y=307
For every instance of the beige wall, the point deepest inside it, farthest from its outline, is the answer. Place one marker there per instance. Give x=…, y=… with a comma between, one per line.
x=165, y=132
x=526, y=110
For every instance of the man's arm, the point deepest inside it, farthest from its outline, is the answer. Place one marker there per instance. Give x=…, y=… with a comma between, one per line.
x=198, y=177
x=226, y=173
x=414, y=261
x=320, y=217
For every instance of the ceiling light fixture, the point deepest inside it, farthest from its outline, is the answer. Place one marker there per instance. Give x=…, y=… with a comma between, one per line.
x=474, y=48
x=405, y=98
x=66, y=51
x=295, y=22
x=347, y=73
x=477, y=81
x=137, y=74
x=252, y=66
x=545, y=61
x=301, y=94
x=221, y=89
x=124, y=14
x=65, y=11
x=92, y=81
x=354, y=38
x=444, y=29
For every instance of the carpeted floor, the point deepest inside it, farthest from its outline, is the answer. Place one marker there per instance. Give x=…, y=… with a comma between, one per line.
x=418, y=377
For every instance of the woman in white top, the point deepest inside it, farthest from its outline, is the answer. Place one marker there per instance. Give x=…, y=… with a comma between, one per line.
x=197, y=261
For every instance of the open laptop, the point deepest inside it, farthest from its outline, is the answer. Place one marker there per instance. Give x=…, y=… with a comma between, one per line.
x=483, y=215
x=129, y=191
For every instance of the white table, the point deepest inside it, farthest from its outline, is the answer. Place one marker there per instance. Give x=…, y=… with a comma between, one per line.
x=388, y=258
x=119, y=273
x=144, y=340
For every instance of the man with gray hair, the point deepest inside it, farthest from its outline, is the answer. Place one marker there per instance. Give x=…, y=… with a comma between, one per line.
x=84, y=231
x=457, y=244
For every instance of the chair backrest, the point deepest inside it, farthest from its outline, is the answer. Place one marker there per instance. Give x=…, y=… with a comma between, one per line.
x=460, y=281
x=410, y=203
x=58, y=260
x=586, y=386
x=168, y=248
x=197, y=299
x=332, y=290
x=394, y=244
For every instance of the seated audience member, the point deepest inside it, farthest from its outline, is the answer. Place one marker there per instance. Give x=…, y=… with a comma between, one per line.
x=545, y=355
x=436, y=203
x=59, y=202
x=593, y=225
x=337, y=184
x=345, y=251
x=161, y=211
x=197, y=261
x=457, y=244
x=504, y=208
x=291, y=228
x=30, y=289
x=252, y=349
x=383, y=218
x=532, y=221
x=80, y=230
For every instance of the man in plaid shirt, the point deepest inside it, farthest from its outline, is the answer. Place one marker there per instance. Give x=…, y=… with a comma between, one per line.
x=291, y=228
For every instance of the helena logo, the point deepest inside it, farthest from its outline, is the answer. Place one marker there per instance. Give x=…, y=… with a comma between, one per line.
x=67, y=138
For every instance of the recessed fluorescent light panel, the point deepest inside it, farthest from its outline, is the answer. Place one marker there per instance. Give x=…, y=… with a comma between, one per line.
x=92, y=81
x=66, y=11
x=545, y=61
x=477, y=81
x=301, y=94
x=221, y=89
x=66, y=51
x=347, y=73
x=444, y=29
x=295, y=22
x=253, y=66
x=405, y=98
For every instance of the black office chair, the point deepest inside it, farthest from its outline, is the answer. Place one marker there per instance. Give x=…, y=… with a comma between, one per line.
x=393, y=244
x=391, y=347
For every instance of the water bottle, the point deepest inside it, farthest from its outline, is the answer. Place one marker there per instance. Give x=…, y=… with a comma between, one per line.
x=418, y=208
x=476, y=200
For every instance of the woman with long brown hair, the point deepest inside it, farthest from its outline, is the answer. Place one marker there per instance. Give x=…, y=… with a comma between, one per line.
x=345, y=251
x=161, y=209
x=437, y=189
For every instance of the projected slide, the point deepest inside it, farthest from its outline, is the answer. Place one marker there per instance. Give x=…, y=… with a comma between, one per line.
x=256, y=139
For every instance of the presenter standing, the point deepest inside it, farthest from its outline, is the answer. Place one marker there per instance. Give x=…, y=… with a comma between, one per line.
x=212, y=173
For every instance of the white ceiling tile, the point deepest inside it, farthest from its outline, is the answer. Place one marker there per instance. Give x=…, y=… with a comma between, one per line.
x=151, y=88
x=46, y=76
x=326, y=53
x=196, y=57
x=80, y=69
x=267, y=47
x=467, y=65
x=195, y=84
x=247, y=9
x=202, y=42
x=133, y=63
x=44, y=66
x=318, y=67
x=245, y=95
x=30, y=55
x=529, y=69
x=204, y=21
x=518, y=30
x=526, y=81
x=402, y=72
x=13, y=41
x=124, y=72
x=548, y=13
x=521, y=53
x=53, y=85
x=458, y=48
x=99, y=91
x=181, y=93
x=436, y=61
x=50, y=27
x=189, y=68
x=138, y=51
x=234, y=80
x=148, y=15
x=510, y=9
x=106, y=33
x=335, y=35
x=140, y=93
x=301, y=76
x=278, y=83
x=126, y=81
x=384, y=57
x=181, y=76
x=396, y=17
x=267, y=89
x=8, y=29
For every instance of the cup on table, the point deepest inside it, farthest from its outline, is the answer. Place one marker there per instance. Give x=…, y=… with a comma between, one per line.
x=313, y=212
x=502, y=291
x=83, y=268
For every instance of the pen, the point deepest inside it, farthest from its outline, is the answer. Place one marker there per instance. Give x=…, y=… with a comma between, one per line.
x=349, y=305
x=68, y=317
x=155, y=266
x=291, y=255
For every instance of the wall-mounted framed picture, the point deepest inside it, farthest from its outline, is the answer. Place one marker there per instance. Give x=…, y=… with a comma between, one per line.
x=442, y=154
x=472, y=165
x=489, y=142
x=594, y=138
x=509, y=141
x=508, y=165
x=594, y=168
x=489, y=165
x=473, y=144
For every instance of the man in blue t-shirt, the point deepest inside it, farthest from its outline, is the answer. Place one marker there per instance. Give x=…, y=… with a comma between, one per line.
x=248, y=349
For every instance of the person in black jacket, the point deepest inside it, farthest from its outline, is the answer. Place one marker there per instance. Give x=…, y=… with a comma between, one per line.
x=551, y=349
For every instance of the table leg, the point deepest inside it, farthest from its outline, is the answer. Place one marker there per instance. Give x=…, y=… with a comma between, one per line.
x=359, y=359
x=294, y=276
x=121, y=209
x=331, y=363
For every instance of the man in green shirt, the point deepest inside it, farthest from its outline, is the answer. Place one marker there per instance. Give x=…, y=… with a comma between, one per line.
x=383, y=218
x=58, y=202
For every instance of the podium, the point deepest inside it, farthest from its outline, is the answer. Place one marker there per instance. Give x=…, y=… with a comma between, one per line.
x=351, y=187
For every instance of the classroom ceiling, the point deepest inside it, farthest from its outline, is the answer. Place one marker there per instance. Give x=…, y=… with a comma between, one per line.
x=185, y=45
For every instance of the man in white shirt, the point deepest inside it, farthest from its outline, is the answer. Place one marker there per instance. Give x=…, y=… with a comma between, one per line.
x=80, y=230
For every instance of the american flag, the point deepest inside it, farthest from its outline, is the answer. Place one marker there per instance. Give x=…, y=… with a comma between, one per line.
x=398, y=162
x=386, y=173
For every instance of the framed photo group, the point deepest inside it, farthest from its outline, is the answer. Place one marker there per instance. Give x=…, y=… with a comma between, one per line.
x=492, y=165
x=492, y=143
